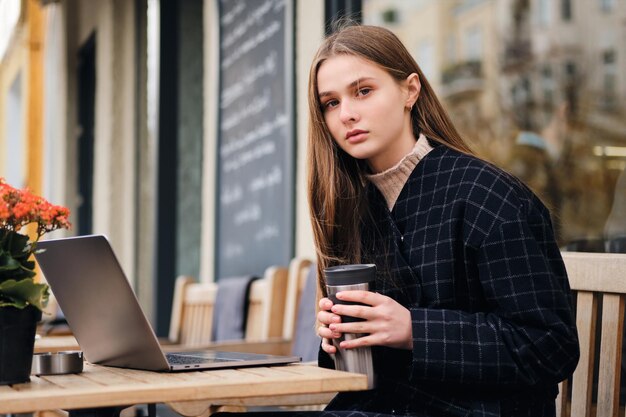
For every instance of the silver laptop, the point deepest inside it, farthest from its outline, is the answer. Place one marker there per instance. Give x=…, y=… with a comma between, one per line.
x=106, y=319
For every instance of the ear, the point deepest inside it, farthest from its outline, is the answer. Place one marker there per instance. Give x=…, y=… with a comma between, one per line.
x=414, y=86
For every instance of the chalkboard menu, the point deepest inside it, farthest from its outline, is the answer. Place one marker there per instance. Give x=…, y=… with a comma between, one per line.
x=256, y=137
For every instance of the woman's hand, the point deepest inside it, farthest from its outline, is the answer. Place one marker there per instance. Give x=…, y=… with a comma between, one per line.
x=326, y=318
x=386, y=322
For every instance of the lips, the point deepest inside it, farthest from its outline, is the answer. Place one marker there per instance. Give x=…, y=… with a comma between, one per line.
x=356, y=135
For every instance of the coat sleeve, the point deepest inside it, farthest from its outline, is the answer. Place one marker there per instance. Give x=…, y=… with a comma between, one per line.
x=526, y=337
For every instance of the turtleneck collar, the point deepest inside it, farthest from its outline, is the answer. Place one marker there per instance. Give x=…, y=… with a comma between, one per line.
x=391, y=181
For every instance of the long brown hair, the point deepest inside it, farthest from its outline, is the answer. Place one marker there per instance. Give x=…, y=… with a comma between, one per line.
x=336, y=182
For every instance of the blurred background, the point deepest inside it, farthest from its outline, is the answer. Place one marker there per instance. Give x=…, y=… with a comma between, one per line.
x=178, y=128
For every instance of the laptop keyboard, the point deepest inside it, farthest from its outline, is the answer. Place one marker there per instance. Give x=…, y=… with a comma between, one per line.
x=178, y=359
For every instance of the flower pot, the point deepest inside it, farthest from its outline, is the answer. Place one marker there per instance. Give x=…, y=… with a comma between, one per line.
x=17, y=341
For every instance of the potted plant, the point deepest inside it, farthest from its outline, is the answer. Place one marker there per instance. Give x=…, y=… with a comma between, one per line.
x=21, y=297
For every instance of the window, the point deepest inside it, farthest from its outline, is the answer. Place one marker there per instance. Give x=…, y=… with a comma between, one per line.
x=335, y=10
x=609, y=69
x=521, y=91
x=570, y=70
x=473, y=44
x=570, y=89
x=543, y=12
x=522, y=99
x=607, y=5
x=547, y=83
x=390, y=16
x=451, y=49
x=526, y=88
x=566, y=10
x=426, y=58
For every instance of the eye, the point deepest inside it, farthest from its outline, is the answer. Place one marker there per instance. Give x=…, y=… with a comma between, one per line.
x=363, y=91
x=329, y=104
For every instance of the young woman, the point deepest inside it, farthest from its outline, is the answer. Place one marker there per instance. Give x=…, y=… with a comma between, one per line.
x=471, y=314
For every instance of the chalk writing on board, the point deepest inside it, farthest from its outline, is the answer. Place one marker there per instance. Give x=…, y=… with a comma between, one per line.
x=266, y=128
x=267, y=179
x=250, y=44
x=266, y=233
x=229, y=17
x=248, y=214
x=256, y=142
x=242, y=159
x=254, y=18
x=239, y=88
x=231, y=195
x=233, y=250
x=254, y=107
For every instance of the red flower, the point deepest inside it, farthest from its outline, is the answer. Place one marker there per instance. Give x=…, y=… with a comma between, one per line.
x=20, y=207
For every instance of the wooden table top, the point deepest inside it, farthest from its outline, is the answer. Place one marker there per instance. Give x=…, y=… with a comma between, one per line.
x=101, y=386
x=55, y=344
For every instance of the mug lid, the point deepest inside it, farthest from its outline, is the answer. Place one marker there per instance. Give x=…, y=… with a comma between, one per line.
x=350, y=274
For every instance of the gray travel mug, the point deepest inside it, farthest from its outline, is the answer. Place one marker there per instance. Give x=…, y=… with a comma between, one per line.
x=346, y=278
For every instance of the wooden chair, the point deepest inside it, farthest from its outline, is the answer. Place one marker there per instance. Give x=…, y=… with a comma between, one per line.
x=298, y=269
x=278, y=338
x=266, y=305
x=191, y=323
x=595, y=278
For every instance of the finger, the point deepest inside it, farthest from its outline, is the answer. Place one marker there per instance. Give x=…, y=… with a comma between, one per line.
x=358, y=296
x=328, y=348
x=359, y=311
x=325, y=304
x=358, y=342
x=358, y=327
x=327, y=318
x=325, y=332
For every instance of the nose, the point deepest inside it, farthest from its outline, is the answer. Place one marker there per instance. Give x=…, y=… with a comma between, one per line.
x=347, y=112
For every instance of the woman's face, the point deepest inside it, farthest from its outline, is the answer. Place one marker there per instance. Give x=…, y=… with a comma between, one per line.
x=366, y=110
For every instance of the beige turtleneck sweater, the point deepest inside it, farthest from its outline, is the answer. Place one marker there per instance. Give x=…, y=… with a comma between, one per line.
x=391, y=181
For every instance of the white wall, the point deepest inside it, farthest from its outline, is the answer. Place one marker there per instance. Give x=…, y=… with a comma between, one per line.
x=54, y=107
x=310, y=33
x=113, y=22
x=209, y=171
x=15, y=156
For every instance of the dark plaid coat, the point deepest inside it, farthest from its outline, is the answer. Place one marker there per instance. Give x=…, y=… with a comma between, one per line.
x=471, y=252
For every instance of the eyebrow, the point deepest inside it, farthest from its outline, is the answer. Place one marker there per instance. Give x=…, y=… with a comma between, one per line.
x=353, y=84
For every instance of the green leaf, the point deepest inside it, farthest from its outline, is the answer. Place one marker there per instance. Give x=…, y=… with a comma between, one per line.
x=30, y=265
x=15, y=243
x=13, y=303
x=17, y=274
x=7, y=263
x=22, y=293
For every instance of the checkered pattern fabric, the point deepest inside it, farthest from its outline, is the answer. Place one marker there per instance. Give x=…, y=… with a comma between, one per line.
x=471, y=252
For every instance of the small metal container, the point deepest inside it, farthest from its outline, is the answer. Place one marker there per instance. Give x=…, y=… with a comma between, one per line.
x=57, y=363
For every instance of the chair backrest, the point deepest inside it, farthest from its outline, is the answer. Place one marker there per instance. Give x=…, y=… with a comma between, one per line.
x=298, y=269
x=193, y=309
x=306, y=341
x=596, y=278
x=192, y=312
x=266, y=305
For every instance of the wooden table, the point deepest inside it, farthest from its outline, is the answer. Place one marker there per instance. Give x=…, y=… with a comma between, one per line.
x=101, y=390
x=55, y=344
